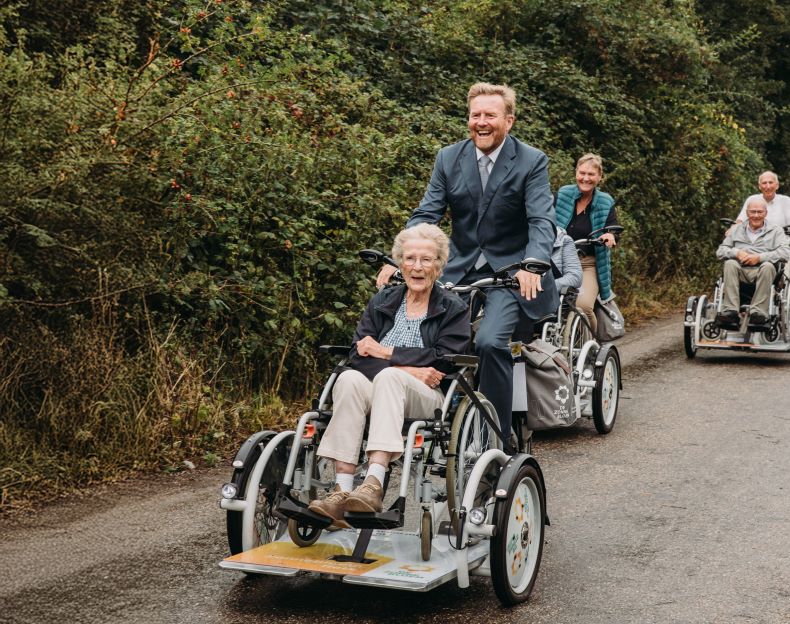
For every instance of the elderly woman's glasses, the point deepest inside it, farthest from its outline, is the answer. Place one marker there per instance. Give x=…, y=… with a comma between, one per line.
x=411, y=261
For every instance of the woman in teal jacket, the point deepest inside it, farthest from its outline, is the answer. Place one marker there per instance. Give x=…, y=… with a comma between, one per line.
x=582, y=208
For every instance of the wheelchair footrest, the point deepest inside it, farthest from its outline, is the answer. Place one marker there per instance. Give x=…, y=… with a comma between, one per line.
x=299, y=512
x=390, y=519
x=759, y=328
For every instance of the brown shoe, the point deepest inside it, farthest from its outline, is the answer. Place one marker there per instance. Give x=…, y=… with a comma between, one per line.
x=367, y=497
x=333, y=506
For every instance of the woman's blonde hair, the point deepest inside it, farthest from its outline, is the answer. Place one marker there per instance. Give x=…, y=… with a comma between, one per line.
x=423, y=231
x=595, y=160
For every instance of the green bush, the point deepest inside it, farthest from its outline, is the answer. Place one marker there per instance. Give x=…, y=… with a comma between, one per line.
x=187, y=184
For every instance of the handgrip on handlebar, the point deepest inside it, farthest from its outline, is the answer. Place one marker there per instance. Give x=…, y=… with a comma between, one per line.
x=374, y=256
x=531, y=265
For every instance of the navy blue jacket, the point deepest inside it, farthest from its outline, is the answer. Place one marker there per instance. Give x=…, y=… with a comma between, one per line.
x=446, y=329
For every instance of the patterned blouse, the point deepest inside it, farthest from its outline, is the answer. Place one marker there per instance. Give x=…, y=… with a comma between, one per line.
x=406, y=331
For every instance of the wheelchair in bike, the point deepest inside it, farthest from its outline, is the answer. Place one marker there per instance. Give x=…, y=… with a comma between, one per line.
x=702, y=329
x=479, y=496
x=595, y=367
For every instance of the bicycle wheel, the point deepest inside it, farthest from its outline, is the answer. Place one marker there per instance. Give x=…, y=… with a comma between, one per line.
x=606, y=393
x=470, y=437
x=577, y=333
x=517, y=545
x=265, y=527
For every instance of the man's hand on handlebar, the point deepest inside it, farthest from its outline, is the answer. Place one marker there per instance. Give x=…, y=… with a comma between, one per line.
x=387, y=271
x=529, y=284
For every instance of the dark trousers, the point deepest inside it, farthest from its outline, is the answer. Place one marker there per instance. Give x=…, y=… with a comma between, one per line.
x=502, y=314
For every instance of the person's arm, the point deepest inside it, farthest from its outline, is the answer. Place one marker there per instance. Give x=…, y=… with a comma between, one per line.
x=434, y=201
x=570, y=266
x=541, y=223
x=727, y=248
x=780, y=254
x=539, y=207
x=368, y=366
x=611, y=219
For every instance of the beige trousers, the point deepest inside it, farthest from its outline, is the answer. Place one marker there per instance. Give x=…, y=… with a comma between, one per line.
x=762, y=276
x=589, y=290
x=391, y=395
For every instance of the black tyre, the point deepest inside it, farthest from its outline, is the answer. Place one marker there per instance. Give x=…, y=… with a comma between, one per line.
x=577, y=333
x=301, y=534
x=517, y=546
x=470, y=437
x=265, y=526
x=606, y=393
x=689, y=344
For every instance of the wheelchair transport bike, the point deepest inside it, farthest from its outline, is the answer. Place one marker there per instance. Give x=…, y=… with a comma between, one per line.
x=479, y=497
x=594, y=367
x=702, y=330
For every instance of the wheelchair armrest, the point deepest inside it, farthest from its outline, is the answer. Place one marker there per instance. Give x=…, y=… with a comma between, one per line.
x=340, y=350
x=461, y=359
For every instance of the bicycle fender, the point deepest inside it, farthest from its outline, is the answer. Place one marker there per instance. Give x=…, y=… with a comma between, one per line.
x=600, y=358
x=507, y=476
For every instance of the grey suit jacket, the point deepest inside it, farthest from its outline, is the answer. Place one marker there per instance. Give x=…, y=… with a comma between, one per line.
x=514, y=219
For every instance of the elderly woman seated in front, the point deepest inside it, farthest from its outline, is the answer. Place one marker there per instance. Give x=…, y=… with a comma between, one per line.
x=396, y=368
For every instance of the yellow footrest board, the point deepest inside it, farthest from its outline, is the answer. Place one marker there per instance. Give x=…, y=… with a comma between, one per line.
x=315, y=558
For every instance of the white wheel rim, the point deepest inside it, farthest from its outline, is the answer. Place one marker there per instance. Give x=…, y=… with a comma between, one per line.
x=524, y=534
x=609, y=391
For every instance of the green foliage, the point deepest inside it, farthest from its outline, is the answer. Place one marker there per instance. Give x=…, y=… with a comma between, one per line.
x=186, y=185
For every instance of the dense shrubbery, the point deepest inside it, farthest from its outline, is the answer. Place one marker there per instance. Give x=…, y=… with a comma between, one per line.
x=185, y=188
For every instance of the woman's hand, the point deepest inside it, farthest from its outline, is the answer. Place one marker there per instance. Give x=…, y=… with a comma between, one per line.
x=383, y=278
x=608, y=239
x=369, y=347
x=426, y=374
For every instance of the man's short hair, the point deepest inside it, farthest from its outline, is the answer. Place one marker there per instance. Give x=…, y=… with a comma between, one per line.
x=486, y=88
x=759, y=201
x=771, y=173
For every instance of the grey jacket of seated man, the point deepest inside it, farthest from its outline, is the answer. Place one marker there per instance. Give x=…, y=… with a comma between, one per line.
x=772, y=244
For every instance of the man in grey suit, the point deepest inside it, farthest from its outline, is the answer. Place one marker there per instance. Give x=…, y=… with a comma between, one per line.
x=497, y=189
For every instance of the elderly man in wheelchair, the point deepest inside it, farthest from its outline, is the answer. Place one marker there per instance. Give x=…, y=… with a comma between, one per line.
x=753, y=253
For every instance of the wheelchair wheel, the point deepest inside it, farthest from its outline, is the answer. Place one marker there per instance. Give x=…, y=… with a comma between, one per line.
x=426, y=535
x=470, y=437
x=265, y=526
x=606, y=393
x=301, y=534
x=517, y=545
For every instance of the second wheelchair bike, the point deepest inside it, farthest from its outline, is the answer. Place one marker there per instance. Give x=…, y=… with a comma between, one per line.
x=702, y=330
x=479, y=497
x=595, y=367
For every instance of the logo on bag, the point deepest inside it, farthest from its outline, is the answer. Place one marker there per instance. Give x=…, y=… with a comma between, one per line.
x=562, y=394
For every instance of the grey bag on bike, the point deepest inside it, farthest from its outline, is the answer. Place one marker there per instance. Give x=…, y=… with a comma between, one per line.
x=611, y=324
x=550, y=396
